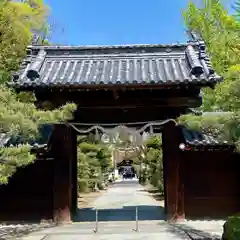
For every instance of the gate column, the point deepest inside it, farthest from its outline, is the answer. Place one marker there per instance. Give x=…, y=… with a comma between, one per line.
x=63, y=151
x=173, y=182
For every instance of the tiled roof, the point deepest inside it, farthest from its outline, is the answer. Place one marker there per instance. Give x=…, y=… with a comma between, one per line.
x=217, y=114
x=208, y=114
x=59, y=66
x=196, y=138
x=4, y=139
x=193, y=112
x=45, y=132
x=41, y=142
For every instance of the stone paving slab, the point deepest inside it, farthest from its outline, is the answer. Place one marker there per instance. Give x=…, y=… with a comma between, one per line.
x=113, y=230
x=105, y=228
x=32, y=237
x=147, y=231
x=137, y=236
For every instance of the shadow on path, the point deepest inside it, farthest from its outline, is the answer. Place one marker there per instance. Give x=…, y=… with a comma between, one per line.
x=192, y=233
x=126, y=213
x=154, y=193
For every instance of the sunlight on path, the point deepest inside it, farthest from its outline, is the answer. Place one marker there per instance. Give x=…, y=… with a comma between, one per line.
x=119, y=203
x=124, y=194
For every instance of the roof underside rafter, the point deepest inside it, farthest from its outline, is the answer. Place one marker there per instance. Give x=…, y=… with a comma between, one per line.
x=130, y=65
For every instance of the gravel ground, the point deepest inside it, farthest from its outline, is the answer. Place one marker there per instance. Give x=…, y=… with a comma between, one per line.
x=13, y=231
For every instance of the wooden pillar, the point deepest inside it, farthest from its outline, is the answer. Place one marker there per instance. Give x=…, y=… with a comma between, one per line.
x=173, y=182
x=181, y=203
x=62, y=150
x=74, y=174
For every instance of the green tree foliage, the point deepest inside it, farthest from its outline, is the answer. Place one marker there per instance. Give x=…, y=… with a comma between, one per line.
x=94, y=163
x=236, y=6
x=18, y=115
x=14, y=157
x=18, y=22
x=154, y=160
x=22, y=119
x=221, y=33
x=149, y=156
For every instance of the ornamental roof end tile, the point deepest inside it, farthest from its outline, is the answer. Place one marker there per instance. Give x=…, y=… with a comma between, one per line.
x=145, y=64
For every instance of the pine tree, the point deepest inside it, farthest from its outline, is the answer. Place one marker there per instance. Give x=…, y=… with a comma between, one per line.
x=18, y=115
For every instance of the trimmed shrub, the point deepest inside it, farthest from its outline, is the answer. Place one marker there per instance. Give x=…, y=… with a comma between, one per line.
x=232, y=228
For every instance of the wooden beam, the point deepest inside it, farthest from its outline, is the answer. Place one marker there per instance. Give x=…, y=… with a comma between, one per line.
x=143, y=103
x=132, y=103
x=119, y=99
x=116, y=115
x=114, y=94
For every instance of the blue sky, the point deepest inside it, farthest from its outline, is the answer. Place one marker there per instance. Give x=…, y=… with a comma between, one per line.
x=107, y=22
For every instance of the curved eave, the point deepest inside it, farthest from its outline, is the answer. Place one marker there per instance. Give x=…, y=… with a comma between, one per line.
x=209, y=147
x=31, y=86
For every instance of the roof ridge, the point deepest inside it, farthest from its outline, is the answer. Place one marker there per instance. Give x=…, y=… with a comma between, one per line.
x=74, y=47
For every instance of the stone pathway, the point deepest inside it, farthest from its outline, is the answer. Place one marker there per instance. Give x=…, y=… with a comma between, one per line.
x=111, y=230
x=116, y=215
x=119, y=204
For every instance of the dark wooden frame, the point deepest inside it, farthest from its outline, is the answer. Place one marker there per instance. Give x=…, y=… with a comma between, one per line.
x=142, y=104
x=64, y=147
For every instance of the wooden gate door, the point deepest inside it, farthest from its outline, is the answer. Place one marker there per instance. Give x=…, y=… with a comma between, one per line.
x=211, y=184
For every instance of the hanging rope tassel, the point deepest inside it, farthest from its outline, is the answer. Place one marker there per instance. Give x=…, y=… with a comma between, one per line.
x=97, y=136
x=151, y=132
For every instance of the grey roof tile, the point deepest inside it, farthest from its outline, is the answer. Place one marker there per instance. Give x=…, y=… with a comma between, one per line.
x=196, y=138
x=49, y=66
x=197, y=112
x=45, y=131
x=41, y=142
x=4, y=139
